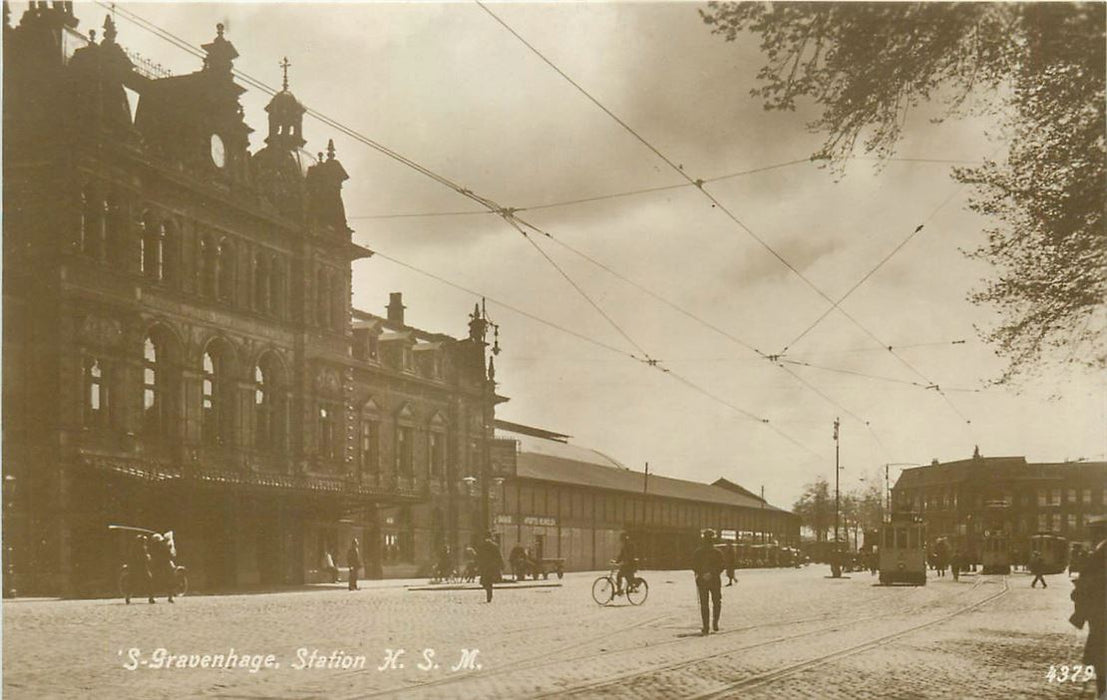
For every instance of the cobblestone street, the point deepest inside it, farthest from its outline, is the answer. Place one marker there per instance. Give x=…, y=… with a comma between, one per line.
x=785, y=633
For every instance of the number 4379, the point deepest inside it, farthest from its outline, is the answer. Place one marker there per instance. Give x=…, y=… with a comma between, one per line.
x=1075, y=674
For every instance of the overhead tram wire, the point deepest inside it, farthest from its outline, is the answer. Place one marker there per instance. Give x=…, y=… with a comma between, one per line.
x=643, y=190
x=493, y=207
x=699, y=183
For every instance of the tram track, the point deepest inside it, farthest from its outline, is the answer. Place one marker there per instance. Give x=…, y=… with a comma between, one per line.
x=620, y=679
x=792, y=669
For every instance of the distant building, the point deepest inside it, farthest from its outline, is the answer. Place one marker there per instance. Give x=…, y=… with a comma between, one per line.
x=573, y=503
x=967, y=499
x=179, y=350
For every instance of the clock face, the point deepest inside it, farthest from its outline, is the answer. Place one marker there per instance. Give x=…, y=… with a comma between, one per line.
x=218, y=152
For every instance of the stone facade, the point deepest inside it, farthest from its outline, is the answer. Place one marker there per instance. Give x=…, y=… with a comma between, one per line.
x=965, y=500
x=180, y=350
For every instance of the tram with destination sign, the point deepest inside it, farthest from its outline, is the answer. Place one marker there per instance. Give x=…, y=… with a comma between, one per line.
x=995, y=558
x=1054, y=551
x=902, y=550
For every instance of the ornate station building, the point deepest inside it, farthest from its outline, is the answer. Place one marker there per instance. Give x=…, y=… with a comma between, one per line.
x=179, y=347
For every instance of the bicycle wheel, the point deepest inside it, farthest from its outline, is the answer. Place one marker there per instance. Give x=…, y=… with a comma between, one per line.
x=603, y=590
x=638, y=593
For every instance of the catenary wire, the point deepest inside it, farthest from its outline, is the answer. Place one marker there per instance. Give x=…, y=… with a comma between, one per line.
x=699, y=183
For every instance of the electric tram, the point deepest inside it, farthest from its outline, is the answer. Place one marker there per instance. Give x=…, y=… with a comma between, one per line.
x=903, y=550
x=996, y=557
x=1054, y=551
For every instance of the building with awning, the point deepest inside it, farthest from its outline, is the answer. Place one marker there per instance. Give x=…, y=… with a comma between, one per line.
x=572, y=502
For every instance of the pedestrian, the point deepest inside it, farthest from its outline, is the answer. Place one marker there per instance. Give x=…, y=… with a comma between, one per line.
x=445, y=564
x=490, y=562
x=329, y=567
x=707, y=565
x=161, y=566
x=1090, y=604
x=728, y=562
x=1036, y=568
x=956, y=563
x=353, y=560
x=138, y=571
x=518, y=561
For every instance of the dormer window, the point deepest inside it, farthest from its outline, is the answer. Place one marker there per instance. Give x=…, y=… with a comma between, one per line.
x=407, y=362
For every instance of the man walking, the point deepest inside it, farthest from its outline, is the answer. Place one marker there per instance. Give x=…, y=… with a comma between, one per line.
x=138, y=571
x=161, y=566
x=353, y=560
x=1036, y=568
x=728, y=562
x=707, y=564
x=1090, y=604
x=490, y=562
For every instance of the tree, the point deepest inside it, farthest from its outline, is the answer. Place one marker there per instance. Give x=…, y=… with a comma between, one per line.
x=1039, y=69
x=815, y=508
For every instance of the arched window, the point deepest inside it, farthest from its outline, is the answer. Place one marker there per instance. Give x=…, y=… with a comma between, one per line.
x=84, y=220
x=208, y=268
x=276, y=286
x=338, y=303
x=158, y=387
x=262, y=297
x=151, y=245
x=269, y=405
x=215, y=396
x=328, y=430
x=322, y=299
x=95, y=393
x=170, y=251
x=226, y=271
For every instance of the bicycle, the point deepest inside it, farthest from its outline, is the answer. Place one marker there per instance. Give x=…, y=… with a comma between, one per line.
x=451, y=576
x=605, y=588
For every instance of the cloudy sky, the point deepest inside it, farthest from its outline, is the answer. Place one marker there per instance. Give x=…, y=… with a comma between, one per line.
x=450, y=88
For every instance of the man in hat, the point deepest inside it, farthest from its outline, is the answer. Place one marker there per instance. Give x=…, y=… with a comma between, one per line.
x=162, y=569
x=707, y=564
x=627, y=562
x=138, y=571
x=490, y=562
x=353, y=560
x=1090, y=604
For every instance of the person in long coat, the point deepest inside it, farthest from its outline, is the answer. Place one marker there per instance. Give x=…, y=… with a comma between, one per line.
x=138, y=571
x=490, y=562
x=353, y=560
x=707, y=564
x=161, y=566
x=1090, y=605
x=729, y=561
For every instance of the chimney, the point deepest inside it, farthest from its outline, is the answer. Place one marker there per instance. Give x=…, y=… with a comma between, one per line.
x=396, y=308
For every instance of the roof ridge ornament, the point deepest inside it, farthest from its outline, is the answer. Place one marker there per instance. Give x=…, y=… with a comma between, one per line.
x=284, y=64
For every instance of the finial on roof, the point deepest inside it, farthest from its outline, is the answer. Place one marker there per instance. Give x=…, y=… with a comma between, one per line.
x=92, y=36
x=330, y=149
x=284, y=64
x=320, y=156
x=109, y=29
x=219, y=30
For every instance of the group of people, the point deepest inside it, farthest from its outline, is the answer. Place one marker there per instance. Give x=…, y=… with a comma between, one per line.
x=150, y=567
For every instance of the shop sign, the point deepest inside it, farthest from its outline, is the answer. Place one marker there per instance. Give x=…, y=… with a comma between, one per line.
x=539, y=521
x=505, y=520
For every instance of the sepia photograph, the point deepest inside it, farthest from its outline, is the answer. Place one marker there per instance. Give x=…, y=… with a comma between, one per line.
x=592, y=349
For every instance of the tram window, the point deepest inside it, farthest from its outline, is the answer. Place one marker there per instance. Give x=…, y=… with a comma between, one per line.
x=913, y=538
x=889, y=538
x=901, y=538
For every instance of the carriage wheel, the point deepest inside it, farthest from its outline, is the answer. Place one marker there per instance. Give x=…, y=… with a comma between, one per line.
x=181, y=581
x=638, y=593
x=603, y=590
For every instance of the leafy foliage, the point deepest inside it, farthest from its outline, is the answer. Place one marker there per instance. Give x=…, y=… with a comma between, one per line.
x=1039, y=68
x=815, y=508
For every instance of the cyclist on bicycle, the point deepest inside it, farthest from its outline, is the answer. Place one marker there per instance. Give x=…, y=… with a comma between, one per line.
x=627, y=563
